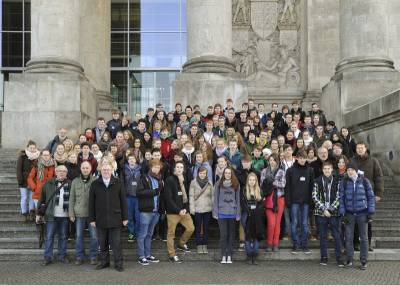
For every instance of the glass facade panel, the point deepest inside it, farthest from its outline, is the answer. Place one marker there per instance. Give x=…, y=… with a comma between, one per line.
x=155, y=38
x=11, y=49
x=12, y=15
x=119, y=89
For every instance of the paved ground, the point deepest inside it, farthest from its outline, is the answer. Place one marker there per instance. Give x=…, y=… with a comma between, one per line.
x=201, y=273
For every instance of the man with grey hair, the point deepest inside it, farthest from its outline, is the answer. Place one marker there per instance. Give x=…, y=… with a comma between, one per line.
x=54, y=200
x=59, y=138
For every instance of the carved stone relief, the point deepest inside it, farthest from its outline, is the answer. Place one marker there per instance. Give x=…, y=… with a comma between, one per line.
x=241, y=13
x=272, y=55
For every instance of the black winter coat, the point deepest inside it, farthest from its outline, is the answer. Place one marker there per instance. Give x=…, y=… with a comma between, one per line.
x=107, y=205
x=145, y=194
x=24, y=166
x=173, y=197
x=255, y=223
x=299, y=184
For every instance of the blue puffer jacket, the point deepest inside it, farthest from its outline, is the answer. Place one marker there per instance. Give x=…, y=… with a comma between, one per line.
x=356, y=197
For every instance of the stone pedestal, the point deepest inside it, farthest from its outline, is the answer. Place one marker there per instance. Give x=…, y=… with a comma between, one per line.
x=365, y=71
x=207, y=89
x=36, y=105
x=54, y=91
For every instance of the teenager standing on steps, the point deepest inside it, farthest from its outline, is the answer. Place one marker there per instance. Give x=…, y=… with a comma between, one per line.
x=26, y=161
x=200, y=203
x=226, y=210
x=176, y=204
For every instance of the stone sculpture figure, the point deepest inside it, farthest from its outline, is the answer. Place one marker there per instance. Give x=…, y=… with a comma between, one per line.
x=288, y=8
x=240, y=7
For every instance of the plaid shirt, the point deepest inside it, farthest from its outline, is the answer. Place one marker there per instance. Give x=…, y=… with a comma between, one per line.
x=318, y=196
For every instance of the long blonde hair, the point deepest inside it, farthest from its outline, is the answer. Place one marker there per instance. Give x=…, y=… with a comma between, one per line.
x=256, y=189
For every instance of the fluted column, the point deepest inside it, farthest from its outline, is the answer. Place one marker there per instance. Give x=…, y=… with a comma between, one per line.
x=364, y=35
x=209, y=29
x=55, y=42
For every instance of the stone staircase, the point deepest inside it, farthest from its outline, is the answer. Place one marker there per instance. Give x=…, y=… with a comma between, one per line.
x=18, y=240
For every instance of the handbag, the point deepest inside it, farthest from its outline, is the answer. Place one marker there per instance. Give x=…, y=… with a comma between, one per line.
x=41, y=210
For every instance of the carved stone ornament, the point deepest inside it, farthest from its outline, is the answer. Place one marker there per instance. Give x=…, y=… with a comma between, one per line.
x=240, y=12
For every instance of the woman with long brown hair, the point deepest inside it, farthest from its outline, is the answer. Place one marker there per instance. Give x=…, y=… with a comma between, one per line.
x=226, y=210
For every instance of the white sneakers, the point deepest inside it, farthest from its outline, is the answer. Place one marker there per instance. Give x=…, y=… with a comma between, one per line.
x=226, y=260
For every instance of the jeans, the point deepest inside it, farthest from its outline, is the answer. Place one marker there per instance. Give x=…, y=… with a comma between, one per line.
x=288, y=226
x=294, y=216
x=26, y=198
x=323, y=223
x=80, y=224
x=227, y=234
x=361, y=221
x=58, y=226
x=148, y=221
x=202, y=219
x=110, y=237
x=133, y=215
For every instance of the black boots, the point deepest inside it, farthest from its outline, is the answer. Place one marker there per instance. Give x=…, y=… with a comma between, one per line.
x=252, y=259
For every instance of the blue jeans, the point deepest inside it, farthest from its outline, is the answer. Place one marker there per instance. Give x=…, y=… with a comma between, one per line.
x=199, y=220
x=26, y=199
x=133, y=215
x=80, y=225
x=58, y=226
x=295, y=210
x=362, y=223
x=148, y=221
x=323, y=223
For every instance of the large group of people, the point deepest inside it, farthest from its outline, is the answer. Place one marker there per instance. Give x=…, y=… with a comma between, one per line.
x=279, y=175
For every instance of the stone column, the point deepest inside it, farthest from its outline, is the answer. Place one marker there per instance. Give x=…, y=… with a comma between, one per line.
x=364, y=35
x=95, y=53
x=209, y=30
x=55, y=36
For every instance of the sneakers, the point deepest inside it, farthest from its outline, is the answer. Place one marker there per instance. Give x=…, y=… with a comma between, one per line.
x=340, y=264
x=275, y=249
x=205, y=249
x=223, y=260
x=152, y=259
x=349, y=264
x=268, y=249
x=131, y=238
x=78, y=262
x=200, y=249
x=241, y=246
x=324, y=262
x=363, y=265
x=306, y=250
x=184, y=248
x=295, y=250
x=46, y=262
x=174, y=259
x=143, y=261
x=64, y=260
x=228, y=260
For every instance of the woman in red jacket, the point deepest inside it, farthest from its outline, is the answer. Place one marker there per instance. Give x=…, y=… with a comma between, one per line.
x=40, y=174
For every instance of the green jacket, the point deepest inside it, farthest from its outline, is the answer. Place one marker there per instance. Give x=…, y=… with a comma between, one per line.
x=258, y=163
x=79, y=198
x=47, y=192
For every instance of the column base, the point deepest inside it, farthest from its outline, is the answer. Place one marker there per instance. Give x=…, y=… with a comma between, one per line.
x=209, y=64
x=208, y=89
x=53, y=65
x=37, y=104
x=364, y=63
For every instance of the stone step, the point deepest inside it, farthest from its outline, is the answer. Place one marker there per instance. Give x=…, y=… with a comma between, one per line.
x=380, y=231
x=29, y=255
x=387, y=242
x=9, y=205
x=386, y=222
x=10, y=198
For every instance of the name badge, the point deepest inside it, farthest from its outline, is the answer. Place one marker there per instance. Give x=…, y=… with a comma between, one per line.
x=302, y=178
x=179, y=193
x=134, y=183
x=252, y=207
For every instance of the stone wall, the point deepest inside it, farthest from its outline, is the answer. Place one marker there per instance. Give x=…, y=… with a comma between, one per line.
x=394, y=31
x=378, y=124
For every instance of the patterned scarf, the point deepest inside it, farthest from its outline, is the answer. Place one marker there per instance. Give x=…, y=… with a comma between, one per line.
x=32, y=155
x=65, y=196
x=41, y=166
x=60, y=159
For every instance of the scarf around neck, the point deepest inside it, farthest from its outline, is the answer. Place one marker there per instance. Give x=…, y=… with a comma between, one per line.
x=227, y=183
x=60, y=158
x=42, y=165
x=32, y=155
x=219, y=151
x=202, y=182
